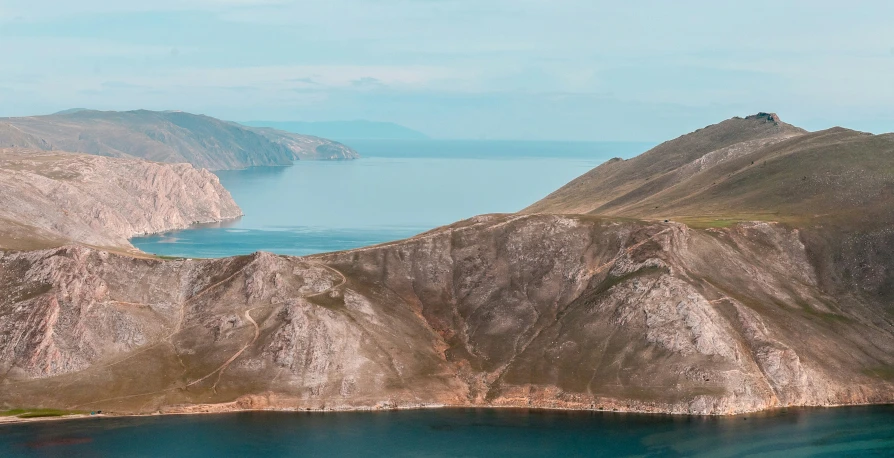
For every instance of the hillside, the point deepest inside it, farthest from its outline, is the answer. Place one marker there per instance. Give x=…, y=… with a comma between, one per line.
x=617, y=184
x=165, y=136
x=767, y=171
x=623, y=312
x=501, y=310
x=54, y=198
x=345, y=130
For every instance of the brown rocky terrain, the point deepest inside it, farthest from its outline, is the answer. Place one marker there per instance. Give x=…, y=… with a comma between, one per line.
x=166, y=136
x=618, y=311
x=49, y=198
x=739, y=170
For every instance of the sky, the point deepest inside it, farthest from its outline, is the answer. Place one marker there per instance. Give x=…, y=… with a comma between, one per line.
x=473, y=69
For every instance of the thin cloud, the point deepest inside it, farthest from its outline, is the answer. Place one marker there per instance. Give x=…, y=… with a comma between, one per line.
x=558, y=64
x=35, y=10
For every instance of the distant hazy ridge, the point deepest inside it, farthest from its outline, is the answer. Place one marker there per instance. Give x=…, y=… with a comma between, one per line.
x=345, y=130
x=166, y=136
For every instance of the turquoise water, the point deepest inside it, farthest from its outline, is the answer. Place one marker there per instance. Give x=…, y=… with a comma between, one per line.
x=853, y=431
x=396, y=190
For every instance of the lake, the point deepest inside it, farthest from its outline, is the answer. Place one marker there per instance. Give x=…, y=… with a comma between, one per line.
x=791, y=433
x=396, y=190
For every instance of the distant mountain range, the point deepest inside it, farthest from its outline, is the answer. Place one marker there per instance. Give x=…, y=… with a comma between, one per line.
x=166, y=136
x=345, y=130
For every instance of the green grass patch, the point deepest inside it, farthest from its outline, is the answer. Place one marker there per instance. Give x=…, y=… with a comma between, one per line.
x=709, y=223
x=882, y=372
x=169, y=258
x=611, y=281
x=824, y=316
x=38, y=413
x=729, y=220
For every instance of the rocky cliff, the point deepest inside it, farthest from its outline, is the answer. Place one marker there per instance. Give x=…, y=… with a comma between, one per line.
x=166, y=136
x=585, y=311
x=49, y=199
x=500, y=310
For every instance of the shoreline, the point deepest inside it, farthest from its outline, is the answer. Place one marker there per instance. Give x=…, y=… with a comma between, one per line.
x=4, y=421
x=193, y=225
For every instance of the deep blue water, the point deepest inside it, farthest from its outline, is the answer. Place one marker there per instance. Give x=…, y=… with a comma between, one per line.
x=852, y=431
x=396, y=190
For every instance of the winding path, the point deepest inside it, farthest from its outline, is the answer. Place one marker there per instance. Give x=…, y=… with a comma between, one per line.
x=222, y=367
x=220, y=370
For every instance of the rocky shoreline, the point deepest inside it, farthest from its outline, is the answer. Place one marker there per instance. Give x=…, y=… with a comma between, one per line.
x=227, y=409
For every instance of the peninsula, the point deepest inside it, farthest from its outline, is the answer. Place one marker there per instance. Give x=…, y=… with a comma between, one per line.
x=166, y=136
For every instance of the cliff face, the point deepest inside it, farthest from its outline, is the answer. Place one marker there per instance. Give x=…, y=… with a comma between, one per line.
x=547, y=311
x=169, y=136
x=587, y=312
x=49, y=198
x=544, y=310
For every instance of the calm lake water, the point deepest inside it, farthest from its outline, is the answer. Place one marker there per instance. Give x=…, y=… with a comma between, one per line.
x=852, y=431
x=396, y=190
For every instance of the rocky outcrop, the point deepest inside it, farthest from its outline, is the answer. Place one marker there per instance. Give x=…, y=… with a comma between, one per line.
x=166, y=136
x=50, y=198
x=500, y=310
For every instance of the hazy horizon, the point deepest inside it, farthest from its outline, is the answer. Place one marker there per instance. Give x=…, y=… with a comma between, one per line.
x=457, y=69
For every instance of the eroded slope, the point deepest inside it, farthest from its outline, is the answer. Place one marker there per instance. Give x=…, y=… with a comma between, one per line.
x=50, y=199
x=546, y=311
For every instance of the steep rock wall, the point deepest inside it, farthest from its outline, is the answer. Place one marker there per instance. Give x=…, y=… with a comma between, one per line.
x=543, y=311
x=102, y=201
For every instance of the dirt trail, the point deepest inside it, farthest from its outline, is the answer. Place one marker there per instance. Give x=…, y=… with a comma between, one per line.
x=220, y=370
x=333, y=270
x=223, y=366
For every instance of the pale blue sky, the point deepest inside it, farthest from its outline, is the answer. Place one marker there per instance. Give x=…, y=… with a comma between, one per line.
x=519, y=69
